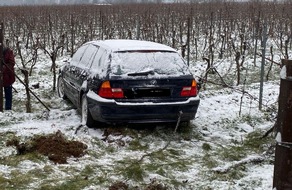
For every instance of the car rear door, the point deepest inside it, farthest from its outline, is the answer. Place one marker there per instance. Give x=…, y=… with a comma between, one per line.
x=69, y=73
x=82, y=70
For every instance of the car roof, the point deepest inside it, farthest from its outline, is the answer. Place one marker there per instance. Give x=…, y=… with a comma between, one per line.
x=131, y=45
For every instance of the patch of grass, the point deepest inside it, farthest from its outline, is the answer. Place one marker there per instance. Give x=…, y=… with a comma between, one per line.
x=251, y=120
x=19, y=104
x=233, y=174
x=87, y=171
x=39, y=173
x=209, y=161
x=161, y=171
x=48, y=169
x=180, y=165
x=206, y=146
x=4, y=182
x=18, y=180
x=188, y=131
x=155, y=168
x=254, y=141
x=252, y=144
x=228, y=123
x=134, y=172
x=177, y=184
x=14, y=160
x=232, y=153
x=72, y=184
x=6, y=136
x=110, y=149
x=47, y=94
x=174, y=152
x=94, y=153
x=100, y=179
x=135, y=145
x=5, y=122
x=77, y=180
x=130, y=169
x=250, y=183
x=44, y=72
x=160, y=155
x=165, y=170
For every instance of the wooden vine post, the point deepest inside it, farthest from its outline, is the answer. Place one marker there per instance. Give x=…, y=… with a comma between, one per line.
x=283, y=155
x=1, y=67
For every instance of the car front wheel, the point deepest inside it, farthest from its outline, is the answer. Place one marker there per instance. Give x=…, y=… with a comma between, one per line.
x=86, y=118
x=61, y=88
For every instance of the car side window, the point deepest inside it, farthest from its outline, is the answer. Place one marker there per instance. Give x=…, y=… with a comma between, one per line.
x=96, y=64
x=105, y=62
x=87, y=57
x=78, y=55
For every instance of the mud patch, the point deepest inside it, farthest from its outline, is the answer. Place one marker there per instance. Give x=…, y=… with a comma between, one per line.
x=119, y=186
x=56, y=146
x=114, y=135
x=123, y=186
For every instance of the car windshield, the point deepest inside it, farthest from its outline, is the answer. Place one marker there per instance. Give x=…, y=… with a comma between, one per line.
x=150, y=63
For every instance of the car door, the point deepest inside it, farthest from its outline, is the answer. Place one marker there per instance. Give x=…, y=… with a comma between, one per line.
x=98, y=64
x=70, y=71
x=82, y=71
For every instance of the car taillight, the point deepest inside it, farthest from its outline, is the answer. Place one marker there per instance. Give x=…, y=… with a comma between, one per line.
x=190, y=90
x=106, y=91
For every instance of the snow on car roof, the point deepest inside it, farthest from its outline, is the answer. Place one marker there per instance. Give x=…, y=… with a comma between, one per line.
x=132, y=45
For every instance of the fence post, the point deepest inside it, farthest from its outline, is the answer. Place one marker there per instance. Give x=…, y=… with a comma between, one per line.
x=1, y=66
x=188, y=41
x=264, y=46
x=283, y=154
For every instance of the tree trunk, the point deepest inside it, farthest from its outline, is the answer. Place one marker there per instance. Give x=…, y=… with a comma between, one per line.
x=26, y=81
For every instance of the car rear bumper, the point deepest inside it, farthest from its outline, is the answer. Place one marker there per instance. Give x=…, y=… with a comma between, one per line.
x=110, y=111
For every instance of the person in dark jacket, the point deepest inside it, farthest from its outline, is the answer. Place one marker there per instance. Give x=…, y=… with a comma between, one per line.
x=8, y=76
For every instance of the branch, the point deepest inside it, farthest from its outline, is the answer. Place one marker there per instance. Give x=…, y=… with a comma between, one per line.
x=272, y=129
x=269, y=59
x=154, y=152
x=239, y=90
x=231, y=87
x=20, y=52
x=235, y=164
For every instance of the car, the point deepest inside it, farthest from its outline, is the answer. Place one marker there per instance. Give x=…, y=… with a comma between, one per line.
x=129, y=81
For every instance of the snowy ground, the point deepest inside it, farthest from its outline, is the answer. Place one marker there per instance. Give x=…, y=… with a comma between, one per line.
x=222, y=150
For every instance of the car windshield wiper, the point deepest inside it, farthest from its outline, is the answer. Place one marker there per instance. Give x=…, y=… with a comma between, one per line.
x=142, y=73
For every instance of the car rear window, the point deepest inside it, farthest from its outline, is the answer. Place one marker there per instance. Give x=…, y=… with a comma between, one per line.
x=148, y=62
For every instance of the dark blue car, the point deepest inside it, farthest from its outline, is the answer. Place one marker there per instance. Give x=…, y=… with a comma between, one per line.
x=129, y=81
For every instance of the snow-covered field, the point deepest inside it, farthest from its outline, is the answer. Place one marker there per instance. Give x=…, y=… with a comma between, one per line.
x=222, y=149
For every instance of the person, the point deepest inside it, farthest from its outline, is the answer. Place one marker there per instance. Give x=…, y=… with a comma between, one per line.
x=8, y=76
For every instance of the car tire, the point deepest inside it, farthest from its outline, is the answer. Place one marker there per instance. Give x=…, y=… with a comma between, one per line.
x=61, y=88
x=86, y=118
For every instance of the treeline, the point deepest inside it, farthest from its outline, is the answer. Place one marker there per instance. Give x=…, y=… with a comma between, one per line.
x=72, y=2
x=217, y=26
x=215, y=30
